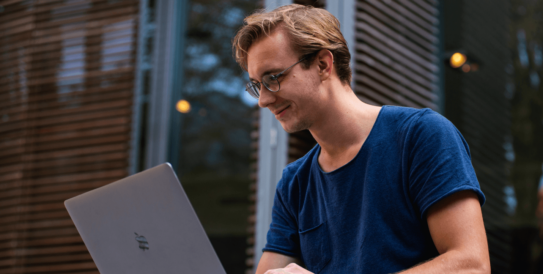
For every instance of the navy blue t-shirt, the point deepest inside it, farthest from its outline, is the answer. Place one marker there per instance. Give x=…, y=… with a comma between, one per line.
x=369, y=216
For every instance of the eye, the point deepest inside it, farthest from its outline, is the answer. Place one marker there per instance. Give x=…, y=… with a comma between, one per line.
x=267, y=78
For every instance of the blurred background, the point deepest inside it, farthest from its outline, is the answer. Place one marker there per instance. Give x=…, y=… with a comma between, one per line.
x=92, y=91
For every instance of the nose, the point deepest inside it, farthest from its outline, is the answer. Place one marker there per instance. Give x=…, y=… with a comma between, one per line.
x=266, y=98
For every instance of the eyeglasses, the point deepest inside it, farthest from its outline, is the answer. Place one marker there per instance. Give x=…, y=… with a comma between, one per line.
x=271, y=82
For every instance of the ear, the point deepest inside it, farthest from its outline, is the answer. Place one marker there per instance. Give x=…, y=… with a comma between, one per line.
x=325, y=62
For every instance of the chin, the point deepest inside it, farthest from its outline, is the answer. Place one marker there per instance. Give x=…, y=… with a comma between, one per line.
x=295, y=127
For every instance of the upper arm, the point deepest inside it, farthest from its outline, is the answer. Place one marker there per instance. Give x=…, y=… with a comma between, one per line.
x=272, y=260
x=283, y=236
x=439, y=162
x=456, y=225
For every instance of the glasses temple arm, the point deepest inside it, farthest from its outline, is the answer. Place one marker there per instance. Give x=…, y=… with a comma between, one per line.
x=281, y=73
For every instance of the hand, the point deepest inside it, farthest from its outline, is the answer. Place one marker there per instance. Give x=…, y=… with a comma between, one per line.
x=290, y=269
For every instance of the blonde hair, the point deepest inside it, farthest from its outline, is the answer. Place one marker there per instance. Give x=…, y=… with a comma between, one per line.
x=309, y=29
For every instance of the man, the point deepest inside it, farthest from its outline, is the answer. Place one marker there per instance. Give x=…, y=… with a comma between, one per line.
x=386, y=189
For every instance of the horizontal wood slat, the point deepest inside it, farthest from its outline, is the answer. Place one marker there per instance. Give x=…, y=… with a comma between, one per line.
x=429, y=7
x=392, y=75
x=410, y=50
x=251, y=220
x=91, y=77
x=66, y=94
x=396, y=53
x=93, y=90
x=393, y=25
x=405, y=69
x=429, y=16
x=72, y=45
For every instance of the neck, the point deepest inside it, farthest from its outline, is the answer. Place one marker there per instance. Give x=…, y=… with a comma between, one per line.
x=345, y=123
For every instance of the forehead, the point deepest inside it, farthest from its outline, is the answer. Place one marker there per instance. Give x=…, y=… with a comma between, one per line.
x=269, y=52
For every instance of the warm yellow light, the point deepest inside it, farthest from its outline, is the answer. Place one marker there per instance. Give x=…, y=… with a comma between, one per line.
x=457, y=60
x=183, y=106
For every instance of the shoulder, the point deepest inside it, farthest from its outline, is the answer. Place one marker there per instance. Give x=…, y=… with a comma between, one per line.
x=430, y=118
x=431, y=132
x=434, y=127
x=407, y=116
x=402, y=113
x=414, y=121
x=415, y=129
x=401, y=123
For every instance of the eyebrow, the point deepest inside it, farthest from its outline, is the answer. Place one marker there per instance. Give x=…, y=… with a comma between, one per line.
x=272, y=70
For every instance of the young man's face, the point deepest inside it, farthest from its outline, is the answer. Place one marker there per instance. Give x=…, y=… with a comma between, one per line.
x=296, y=104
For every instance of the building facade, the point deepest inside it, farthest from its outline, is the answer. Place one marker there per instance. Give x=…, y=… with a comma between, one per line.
x=89, y=94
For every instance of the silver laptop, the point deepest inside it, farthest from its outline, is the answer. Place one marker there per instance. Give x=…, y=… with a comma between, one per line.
x=143, y=224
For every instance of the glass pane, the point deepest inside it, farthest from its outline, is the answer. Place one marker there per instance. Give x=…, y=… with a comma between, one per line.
x=524, y=148
x=215, y=130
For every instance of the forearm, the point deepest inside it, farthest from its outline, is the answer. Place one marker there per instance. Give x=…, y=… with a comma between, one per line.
x=271, y=260
x=452, y=262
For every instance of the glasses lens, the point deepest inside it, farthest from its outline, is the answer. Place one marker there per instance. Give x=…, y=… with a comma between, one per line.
x=253, y=89
x=271, y=83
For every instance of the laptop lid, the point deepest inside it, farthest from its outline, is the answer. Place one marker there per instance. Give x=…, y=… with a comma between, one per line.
x=143, y=224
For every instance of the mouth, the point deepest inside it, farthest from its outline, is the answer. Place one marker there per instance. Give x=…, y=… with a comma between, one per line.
x=281, y=113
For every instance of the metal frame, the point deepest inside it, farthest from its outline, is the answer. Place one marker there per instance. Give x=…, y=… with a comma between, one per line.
x=345, y=12
x=164, y=65
x=440, y=91
x=145, y=32
x=180, y=20
x=158, y=120
x=272, y=158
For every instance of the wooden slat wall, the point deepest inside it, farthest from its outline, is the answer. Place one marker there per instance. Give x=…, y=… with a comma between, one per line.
x=480, y=110
x=396, y=52
x=251, y=222
x=66, y=80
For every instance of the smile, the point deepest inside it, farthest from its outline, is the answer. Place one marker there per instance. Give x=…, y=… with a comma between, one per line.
x=281, y=113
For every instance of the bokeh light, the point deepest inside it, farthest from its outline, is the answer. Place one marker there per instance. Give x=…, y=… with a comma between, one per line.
x=457, y=60
x=183, y=106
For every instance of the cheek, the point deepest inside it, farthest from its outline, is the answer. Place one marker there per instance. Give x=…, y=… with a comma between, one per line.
x=305, y=83
x=306, y=105
x=304, y=91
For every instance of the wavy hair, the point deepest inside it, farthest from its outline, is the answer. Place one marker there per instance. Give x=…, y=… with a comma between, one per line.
x=309, y=30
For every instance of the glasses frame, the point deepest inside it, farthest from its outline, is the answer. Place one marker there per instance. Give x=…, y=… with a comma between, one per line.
x=257, y=86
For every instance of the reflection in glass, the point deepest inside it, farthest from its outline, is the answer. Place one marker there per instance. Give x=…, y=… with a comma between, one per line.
x=215, y=134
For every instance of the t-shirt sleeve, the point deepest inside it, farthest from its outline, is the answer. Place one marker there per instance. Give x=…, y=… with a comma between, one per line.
x=283, y=233
x=440, y=162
